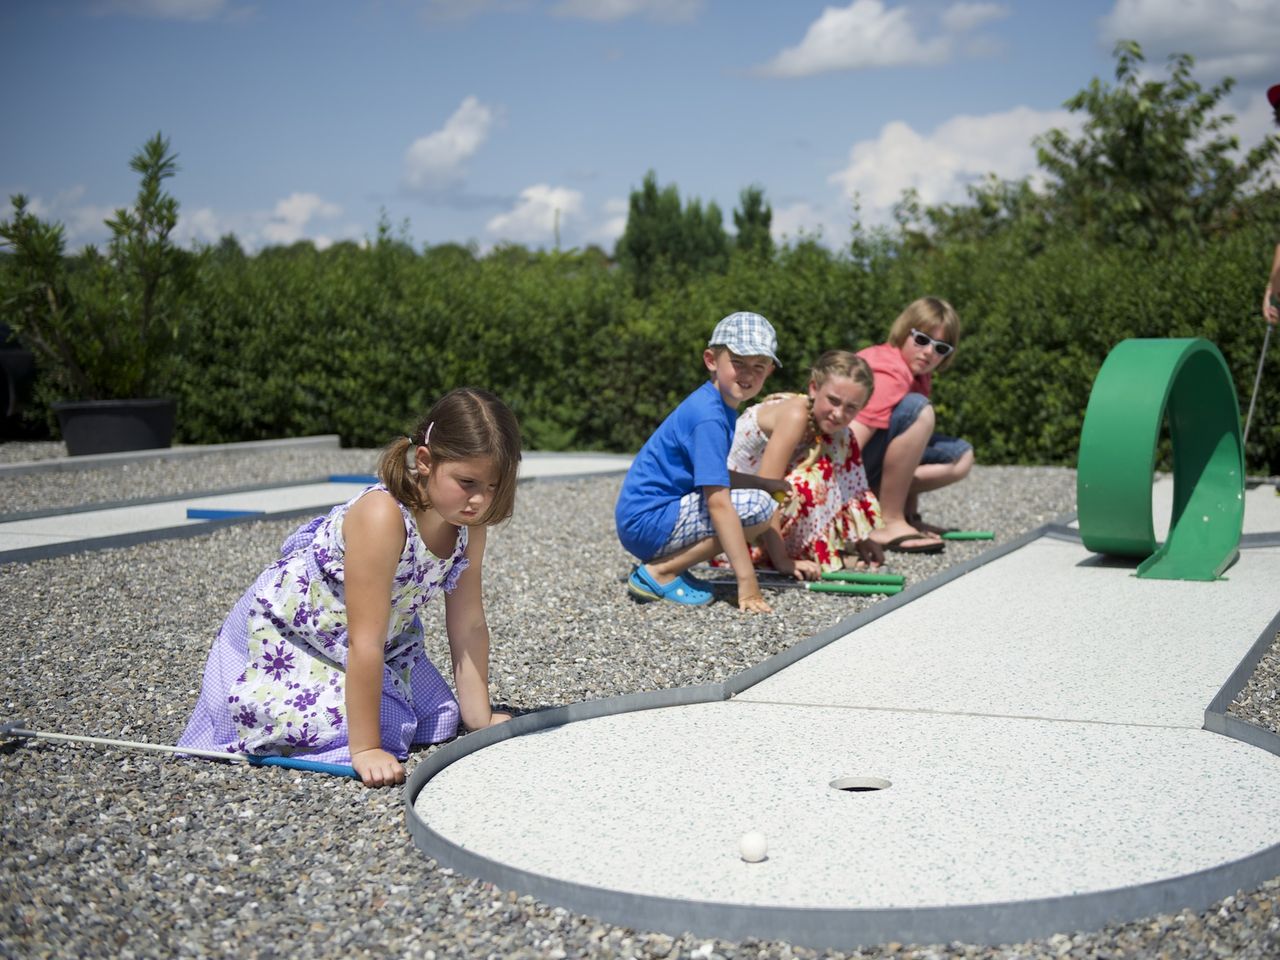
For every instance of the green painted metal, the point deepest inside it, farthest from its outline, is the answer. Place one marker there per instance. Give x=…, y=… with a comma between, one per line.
x=1141, y=382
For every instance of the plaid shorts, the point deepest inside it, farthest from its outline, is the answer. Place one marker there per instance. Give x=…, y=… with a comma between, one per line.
x=693, y=522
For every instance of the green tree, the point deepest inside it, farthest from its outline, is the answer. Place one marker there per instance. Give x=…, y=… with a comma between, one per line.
x=663, y=237
x=106, y=326
x=752, y=220
x=1153, y=159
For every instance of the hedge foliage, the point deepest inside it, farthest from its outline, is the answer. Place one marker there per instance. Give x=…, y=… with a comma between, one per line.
x=359, y=340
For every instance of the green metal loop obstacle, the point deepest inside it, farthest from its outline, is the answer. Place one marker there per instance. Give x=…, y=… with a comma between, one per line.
x=1140, y=382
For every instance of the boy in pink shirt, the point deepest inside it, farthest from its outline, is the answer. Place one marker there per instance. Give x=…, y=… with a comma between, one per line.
x=902, y=455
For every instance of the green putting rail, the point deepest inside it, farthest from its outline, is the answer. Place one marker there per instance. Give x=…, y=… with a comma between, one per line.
x=1140, y=382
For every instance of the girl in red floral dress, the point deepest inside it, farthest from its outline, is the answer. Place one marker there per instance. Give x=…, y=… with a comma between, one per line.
x=804, y=438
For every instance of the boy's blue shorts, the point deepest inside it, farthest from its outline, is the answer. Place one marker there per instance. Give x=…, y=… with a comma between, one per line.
x=941, y=448
x=693, y=522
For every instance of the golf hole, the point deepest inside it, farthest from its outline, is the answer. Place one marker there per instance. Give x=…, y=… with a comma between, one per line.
x=859, y=784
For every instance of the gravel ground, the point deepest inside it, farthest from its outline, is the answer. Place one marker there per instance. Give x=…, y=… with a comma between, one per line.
x=111, y=853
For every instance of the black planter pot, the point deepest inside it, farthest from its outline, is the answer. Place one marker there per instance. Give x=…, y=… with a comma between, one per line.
x=112, y=426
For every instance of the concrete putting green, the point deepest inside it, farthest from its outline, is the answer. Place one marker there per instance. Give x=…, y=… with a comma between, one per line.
x=1017, y=747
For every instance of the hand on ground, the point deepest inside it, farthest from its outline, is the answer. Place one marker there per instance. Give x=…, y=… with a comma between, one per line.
x=377, y=768
x=866, y=555
x=754, y=603
x=498, y=717
x=807, y=570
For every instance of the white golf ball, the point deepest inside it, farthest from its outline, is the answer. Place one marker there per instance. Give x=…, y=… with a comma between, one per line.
x=753, y=847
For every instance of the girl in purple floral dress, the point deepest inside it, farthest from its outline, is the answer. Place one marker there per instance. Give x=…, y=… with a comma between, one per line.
x=323, y=656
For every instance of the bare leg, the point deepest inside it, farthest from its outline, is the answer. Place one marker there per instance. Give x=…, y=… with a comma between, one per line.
x=935, y=476
x=897, y=477
x=667, y=568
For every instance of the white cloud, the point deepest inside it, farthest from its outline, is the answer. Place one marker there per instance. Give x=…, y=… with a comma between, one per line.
x=435, y=161
x=666, y=10
x=868, y=34
x=863, y=34
x=191, y=10
x=1239, y=38
x=963, y=17
x=607, y=232
x=292, y=216
x=794, y=220
x=533, y=219
x=940, y=165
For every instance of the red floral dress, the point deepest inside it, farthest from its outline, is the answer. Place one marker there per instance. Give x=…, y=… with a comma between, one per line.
x=831, y=503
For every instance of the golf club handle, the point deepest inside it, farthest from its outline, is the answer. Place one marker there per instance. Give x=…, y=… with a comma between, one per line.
x=859, y=576
x=860, y=589
x=314, y=766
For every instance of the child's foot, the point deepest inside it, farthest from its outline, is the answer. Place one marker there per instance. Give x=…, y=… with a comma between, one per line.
x=643, y=586
x=916, y=521
x=902, y=537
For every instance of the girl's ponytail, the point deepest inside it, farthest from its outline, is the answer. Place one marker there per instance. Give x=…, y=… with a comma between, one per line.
x=396, y=475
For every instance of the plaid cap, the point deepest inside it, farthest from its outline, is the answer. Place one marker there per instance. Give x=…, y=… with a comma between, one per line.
x=747, y=335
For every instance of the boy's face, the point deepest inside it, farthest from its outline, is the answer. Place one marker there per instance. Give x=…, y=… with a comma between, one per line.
x=737, y=378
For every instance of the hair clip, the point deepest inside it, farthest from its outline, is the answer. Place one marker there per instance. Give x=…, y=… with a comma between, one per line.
x=411, y=457
x=426, y=437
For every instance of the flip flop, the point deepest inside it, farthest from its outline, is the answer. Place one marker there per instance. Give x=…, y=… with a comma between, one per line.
x=924, y=527
x=896, y=545
x=644, y=588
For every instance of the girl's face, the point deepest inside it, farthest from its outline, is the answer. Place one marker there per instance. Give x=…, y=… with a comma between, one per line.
x=461, y=490
x=922, y=359
x=836, y=401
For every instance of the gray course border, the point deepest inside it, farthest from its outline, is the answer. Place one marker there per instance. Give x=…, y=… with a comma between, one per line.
x=988, y=923
x=325, y=441
x=64, y=548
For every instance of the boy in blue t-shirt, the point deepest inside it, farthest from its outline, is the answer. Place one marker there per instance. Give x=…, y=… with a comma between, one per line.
x=676, y=507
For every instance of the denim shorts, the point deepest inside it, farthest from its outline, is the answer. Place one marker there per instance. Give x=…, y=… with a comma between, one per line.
x=940, y=449
x=693, y=523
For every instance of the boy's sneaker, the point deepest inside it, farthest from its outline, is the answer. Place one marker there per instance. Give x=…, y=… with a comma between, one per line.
x=644, y=588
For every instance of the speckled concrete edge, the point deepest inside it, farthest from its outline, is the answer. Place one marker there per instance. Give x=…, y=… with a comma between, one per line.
x=325, y=441
x=149, y=501
x=64, y=548
x=988, y=923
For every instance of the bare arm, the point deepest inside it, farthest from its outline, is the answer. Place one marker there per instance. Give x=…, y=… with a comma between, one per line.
x=862, y=433
x=1269, y=309
x=752, y=481
x=733, y=541
x=373, y=531
x=790, y=422
x=469, y=639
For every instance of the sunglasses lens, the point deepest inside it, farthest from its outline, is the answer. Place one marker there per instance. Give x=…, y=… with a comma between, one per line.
x=940, y=347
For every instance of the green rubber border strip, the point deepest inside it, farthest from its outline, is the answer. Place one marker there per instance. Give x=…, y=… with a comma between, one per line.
x=1141, y=382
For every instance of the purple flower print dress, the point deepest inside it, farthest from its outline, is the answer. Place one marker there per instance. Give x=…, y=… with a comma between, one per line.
x=275, y=680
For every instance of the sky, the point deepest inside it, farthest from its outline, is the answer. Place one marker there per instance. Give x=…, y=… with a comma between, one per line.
x=531, y=121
